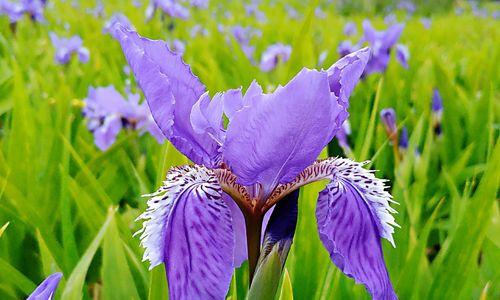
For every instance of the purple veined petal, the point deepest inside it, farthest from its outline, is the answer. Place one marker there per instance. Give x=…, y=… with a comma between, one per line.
x=171, y=90
x=189, y=228
x=353, y=213
x=47, y=288
x=402, y=55
x=275, y=136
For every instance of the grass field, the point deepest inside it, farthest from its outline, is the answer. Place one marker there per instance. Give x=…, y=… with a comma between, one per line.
x=70, y=207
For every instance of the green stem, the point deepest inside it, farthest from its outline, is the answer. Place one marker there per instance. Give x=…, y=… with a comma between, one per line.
x=253, y=228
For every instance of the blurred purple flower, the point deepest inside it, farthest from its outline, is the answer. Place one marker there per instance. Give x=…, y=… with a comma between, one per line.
x=177, y=46
x=381, y=43
x=388, y=117
x=198, y=30
x=200, y=3
x=407, y=5
x=346, y=47
x=292, y=12
x=265, y=154
x=322, y=56
x=98, y=10
x=350, y=28
x=319, y=13
x=437, y=102
x=273, y=55
x=403, y=138
x=46, y=289
x=243, y=35
x=108, y=112
x=252, y=10
x=427, y=22
x=390, y=19
x=117, y=19
x=402, y=55
x=170, y=7
x=15, y=10
x=66, y=47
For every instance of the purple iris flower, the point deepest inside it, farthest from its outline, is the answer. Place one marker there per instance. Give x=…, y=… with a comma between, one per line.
x=98, y=10
x=108, y=112
x=198, y=30
x=273, y=55
x=177, y=46
x=388, y=117
x=243, y=35
x=402, y=55
x=437, y=111
x=171, y=7
x=427, y=22
x=346, y=47
x=381, y=43
x=403, y=139
x=15, y=10
x=252, y=10
x=195, y=222
x=407, y=5
x=292, y=12
x=66, y=47
x=46, y=289
x=390, y=19
x=200, y=3
x=116, y=20
x=350, y=28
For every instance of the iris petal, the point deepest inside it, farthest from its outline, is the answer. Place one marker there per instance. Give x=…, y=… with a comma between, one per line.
x=353, y=213
x=47, y=288
x=189, y=228
x=171, y=90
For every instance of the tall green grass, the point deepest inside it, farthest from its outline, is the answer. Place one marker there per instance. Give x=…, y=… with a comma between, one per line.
x=71, y=207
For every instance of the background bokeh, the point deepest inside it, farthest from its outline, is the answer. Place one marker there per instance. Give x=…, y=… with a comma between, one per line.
x=68, y=206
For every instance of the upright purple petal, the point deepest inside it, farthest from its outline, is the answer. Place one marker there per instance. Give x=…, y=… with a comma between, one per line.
x=353, y=213
x=171, y=90
x=343, y=77
x=189, y=228
x=285, y=131
x=275, y=136
x=46, y=289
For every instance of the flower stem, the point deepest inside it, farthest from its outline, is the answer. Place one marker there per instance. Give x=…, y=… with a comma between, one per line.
x=253, y=228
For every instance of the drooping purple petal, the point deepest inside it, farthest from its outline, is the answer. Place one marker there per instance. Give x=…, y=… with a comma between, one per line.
x=189, y=228
x=171, y=90
x=47, y=288
x=240, y=253
x=353, y=213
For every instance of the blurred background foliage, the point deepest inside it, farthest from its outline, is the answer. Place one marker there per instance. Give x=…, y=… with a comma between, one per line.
x=69, y=207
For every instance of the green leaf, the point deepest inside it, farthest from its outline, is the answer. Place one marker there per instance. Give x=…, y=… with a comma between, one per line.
x=117, y=281
x=74, y=286
x=158, y=288
x=286, y=292
x=267, y=277
x=9, y=274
